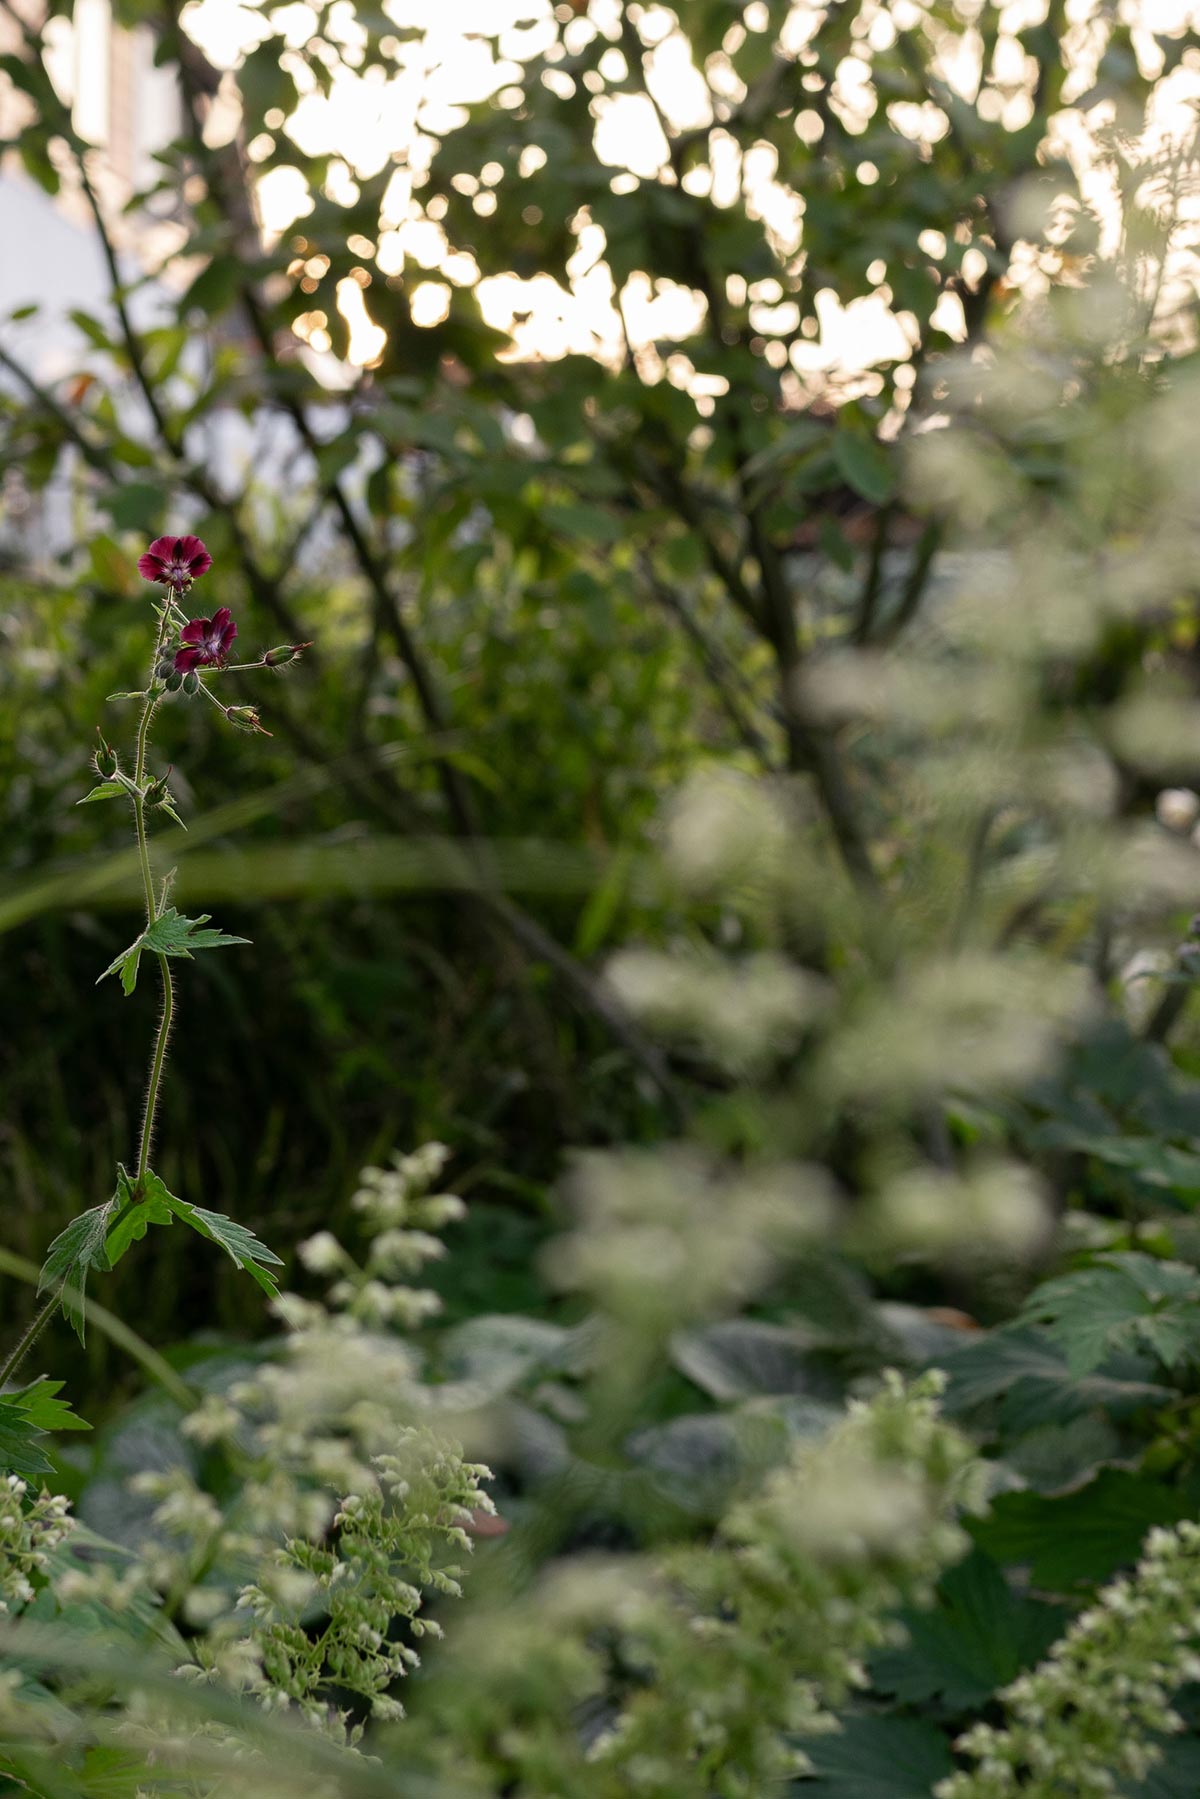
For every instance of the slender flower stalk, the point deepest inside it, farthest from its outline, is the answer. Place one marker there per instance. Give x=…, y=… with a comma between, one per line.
x=168, y=988
x=27, y=1339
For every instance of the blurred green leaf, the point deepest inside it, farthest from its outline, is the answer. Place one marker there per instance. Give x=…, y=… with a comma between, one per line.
x=865, y=464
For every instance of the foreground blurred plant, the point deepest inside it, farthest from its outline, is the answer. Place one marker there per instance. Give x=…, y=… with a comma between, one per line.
x=349, y=1505
x=346, y=1506
x=698, y=1667
x=187, y=654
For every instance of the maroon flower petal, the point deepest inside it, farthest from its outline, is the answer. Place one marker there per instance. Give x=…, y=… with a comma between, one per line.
x=191, y=551
x=223, y=631
x=187, y=660
x=175, y=561
x=196, y=630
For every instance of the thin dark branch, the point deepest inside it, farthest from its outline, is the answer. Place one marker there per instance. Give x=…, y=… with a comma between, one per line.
x=723, y=677
x=916, y=582
x=873, y=582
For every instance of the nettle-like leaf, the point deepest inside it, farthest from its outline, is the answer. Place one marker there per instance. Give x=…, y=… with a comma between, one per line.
x=171, y=934
x=44, y=1409
x=25, y=1418
x=1082, y=1537
x=73, y=1253
x=20, y=1442
x=1024, y=1375
x=241, y=1244
x=978, y=1635
x=1121, y=1302
x=873, y=1757
x=98, y=1238
x=246, y=1250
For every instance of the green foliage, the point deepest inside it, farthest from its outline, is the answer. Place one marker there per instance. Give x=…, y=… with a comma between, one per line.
x=875, y=1757
x=977, y=1637
x=240, y=1244
x=1124, y=1302
x=169, y=934
x=1081, y=1537
x=99, y=1238
x=107, y=790
x=26, y=1417
x=83, y=1245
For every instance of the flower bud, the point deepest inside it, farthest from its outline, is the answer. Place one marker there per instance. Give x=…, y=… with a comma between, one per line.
x=191, y=681
x=173, y=682
x=164, y=668
x=284, y=652
x=245, y=718
x=104, y=760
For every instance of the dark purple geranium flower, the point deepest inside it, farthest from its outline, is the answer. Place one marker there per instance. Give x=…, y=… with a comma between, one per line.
x=176, y=561
x=206, y=642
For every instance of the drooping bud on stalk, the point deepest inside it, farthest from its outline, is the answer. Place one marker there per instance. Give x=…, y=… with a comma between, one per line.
x=104, y=759
x=284, y=652
x=245, y=718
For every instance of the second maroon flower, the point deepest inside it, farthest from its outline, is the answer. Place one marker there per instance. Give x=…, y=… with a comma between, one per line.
x=205, y=642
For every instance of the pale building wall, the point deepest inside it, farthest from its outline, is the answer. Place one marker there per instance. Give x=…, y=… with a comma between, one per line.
x=127, y=109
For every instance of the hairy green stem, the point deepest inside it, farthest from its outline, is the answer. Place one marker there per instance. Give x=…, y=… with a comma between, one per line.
x=28, y=1338
x=156, y=1068
x=168, y=990
x=114, y=1328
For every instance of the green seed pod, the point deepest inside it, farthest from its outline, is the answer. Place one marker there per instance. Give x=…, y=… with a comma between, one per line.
x=283, y=653
x=245, y=718
x=104, y=759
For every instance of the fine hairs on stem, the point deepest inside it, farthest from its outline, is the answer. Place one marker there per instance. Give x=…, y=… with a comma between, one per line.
x=190, y=655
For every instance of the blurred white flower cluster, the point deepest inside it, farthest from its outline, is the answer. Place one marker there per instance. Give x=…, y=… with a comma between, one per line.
x=30, y=1530
x=735, y=1646
x=305, y=1589
x=1093, y=1714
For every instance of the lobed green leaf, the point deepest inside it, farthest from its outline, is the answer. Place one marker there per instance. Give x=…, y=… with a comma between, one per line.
x=25, y=1418
x=245, y=1249
x=170, y=934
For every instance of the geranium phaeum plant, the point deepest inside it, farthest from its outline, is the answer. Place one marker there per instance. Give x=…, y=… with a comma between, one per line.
x=190, y=654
